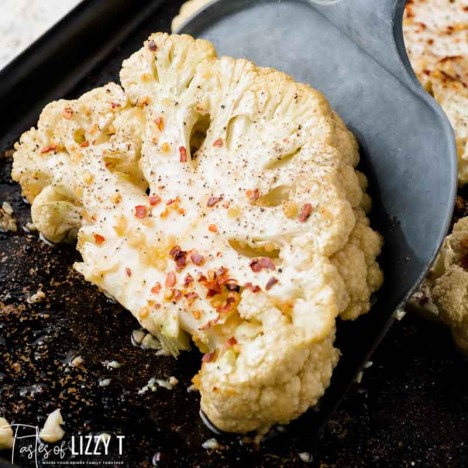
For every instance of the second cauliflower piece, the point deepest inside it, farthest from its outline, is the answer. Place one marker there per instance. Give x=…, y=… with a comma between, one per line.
x=215, y=200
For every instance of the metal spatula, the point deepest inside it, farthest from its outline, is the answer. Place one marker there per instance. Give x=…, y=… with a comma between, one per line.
x=353, y=51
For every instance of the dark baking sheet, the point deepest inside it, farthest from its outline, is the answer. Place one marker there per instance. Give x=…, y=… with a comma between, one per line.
x=164, y=427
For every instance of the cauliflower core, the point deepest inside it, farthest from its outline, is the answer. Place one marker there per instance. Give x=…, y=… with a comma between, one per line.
x=217, y=200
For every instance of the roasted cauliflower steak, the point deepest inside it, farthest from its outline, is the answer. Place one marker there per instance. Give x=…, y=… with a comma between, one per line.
x=217, y=201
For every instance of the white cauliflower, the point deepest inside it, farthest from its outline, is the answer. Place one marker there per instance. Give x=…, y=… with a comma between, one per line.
x=186, y=11
x=6, y=435
x=446, y=292
x=436, y=33
x=436, y=37
x=52, y=431
x=219, y=201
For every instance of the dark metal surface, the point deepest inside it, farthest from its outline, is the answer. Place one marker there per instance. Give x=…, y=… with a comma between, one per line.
x=36, y=342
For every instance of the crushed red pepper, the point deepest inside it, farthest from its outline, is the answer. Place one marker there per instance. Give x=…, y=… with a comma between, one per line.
x=170, y=279
x=48, y=148
x=305, y=212
x=183, y=154
x=196, y=258
x=156, y=288
x=254, y=289
x=231, y=342
x=270, y=283
x=98, y=239
x=218, y=143
x=259, y=264
x=141, y=211
x=253, y=195
x=188, y=279
x=179, y=256
x=154, y=200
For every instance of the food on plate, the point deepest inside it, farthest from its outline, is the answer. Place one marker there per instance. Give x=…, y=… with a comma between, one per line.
x=6, y=435
x=436, y=36
x=217, y=201
x=186, y=11
x=446, y=288
x=52, y=431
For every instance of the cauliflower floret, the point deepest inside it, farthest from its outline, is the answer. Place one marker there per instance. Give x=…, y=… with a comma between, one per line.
x=449, y=279
x=445, y=291
x=52, y=431
x=219, y=202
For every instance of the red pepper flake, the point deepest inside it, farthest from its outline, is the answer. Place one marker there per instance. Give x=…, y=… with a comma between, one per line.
x=305, y=212
x=170, y=279
x=254, y=289
x=253, y=195
x=213, y=292
x=183, y=154
x=218, y=143
x=196, y=258
x=114, y=105
x=179, y=256
x=85, y=144
x=48, y=148
x=220, y=272
x=172, y=200
x=208, y=357
x=141, y=211
x=188, y=280
x=67, y=113
x=212, y=201
x=159, y=121
x=191, y=296
x=152, y=46
x=128, y=271
x=154, y=200
x=177, y=295
x=212, y=228
x=156, y=288
x=99, y=239
x=259, y=264
x=271, y=282
x=228, y=306
x=231, y=342
x=209, y=324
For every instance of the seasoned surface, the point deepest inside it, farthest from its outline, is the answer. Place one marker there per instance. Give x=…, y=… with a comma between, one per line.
x=411, y=406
